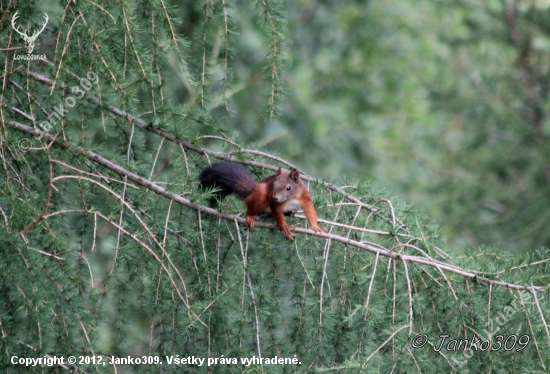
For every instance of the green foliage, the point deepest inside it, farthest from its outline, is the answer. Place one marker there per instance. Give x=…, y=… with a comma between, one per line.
x=445, y=103
x=110, y=249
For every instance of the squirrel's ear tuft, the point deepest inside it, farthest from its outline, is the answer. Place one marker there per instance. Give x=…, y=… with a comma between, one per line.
x=279, y=171
x=294, y=175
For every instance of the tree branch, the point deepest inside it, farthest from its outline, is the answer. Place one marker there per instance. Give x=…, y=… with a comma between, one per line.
x=96, y=158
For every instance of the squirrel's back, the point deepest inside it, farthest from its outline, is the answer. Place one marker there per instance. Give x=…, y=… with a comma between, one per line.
x=229, y=177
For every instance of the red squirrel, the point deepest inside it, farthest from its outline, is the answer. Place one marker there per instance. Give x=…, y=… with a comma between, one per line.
x=278, y=193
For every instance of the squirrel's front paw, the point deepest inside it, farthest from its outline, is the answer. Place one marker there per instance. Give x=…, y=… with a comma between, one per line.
x=250, y=220
x=286, y=231
x=319, y=230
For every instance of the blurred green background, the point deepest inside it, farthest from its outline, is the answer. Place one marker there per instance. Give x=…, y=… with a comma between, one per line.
x=443, y=102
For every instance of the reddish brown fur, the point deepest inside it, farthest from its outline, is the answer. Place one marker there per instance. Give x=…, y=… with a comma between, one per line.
x=272, y=193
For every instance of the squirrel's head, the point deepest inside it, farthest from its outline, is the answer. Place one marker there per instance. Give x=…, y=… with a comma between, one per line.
x=286, y=185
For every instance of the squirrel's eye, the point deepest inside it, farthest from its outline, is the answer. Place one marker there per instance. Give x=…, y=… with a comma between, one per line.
x=289, y=187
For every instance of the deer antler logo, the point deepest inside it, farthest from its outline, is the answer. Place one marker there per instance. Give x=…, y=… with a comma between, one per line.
x=29, y=40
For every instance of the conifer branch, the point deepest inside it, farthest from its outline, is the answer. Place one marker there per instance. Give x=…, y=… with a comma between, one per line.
x=96, y=158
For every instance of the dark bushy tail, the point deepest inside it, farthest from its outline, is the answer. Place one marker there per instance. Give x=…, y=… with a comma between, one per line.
x=229, y=177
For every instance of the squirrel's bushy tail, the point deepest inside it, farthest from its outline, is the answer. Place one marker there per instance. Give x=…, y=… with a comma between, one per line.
x=229, y=177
